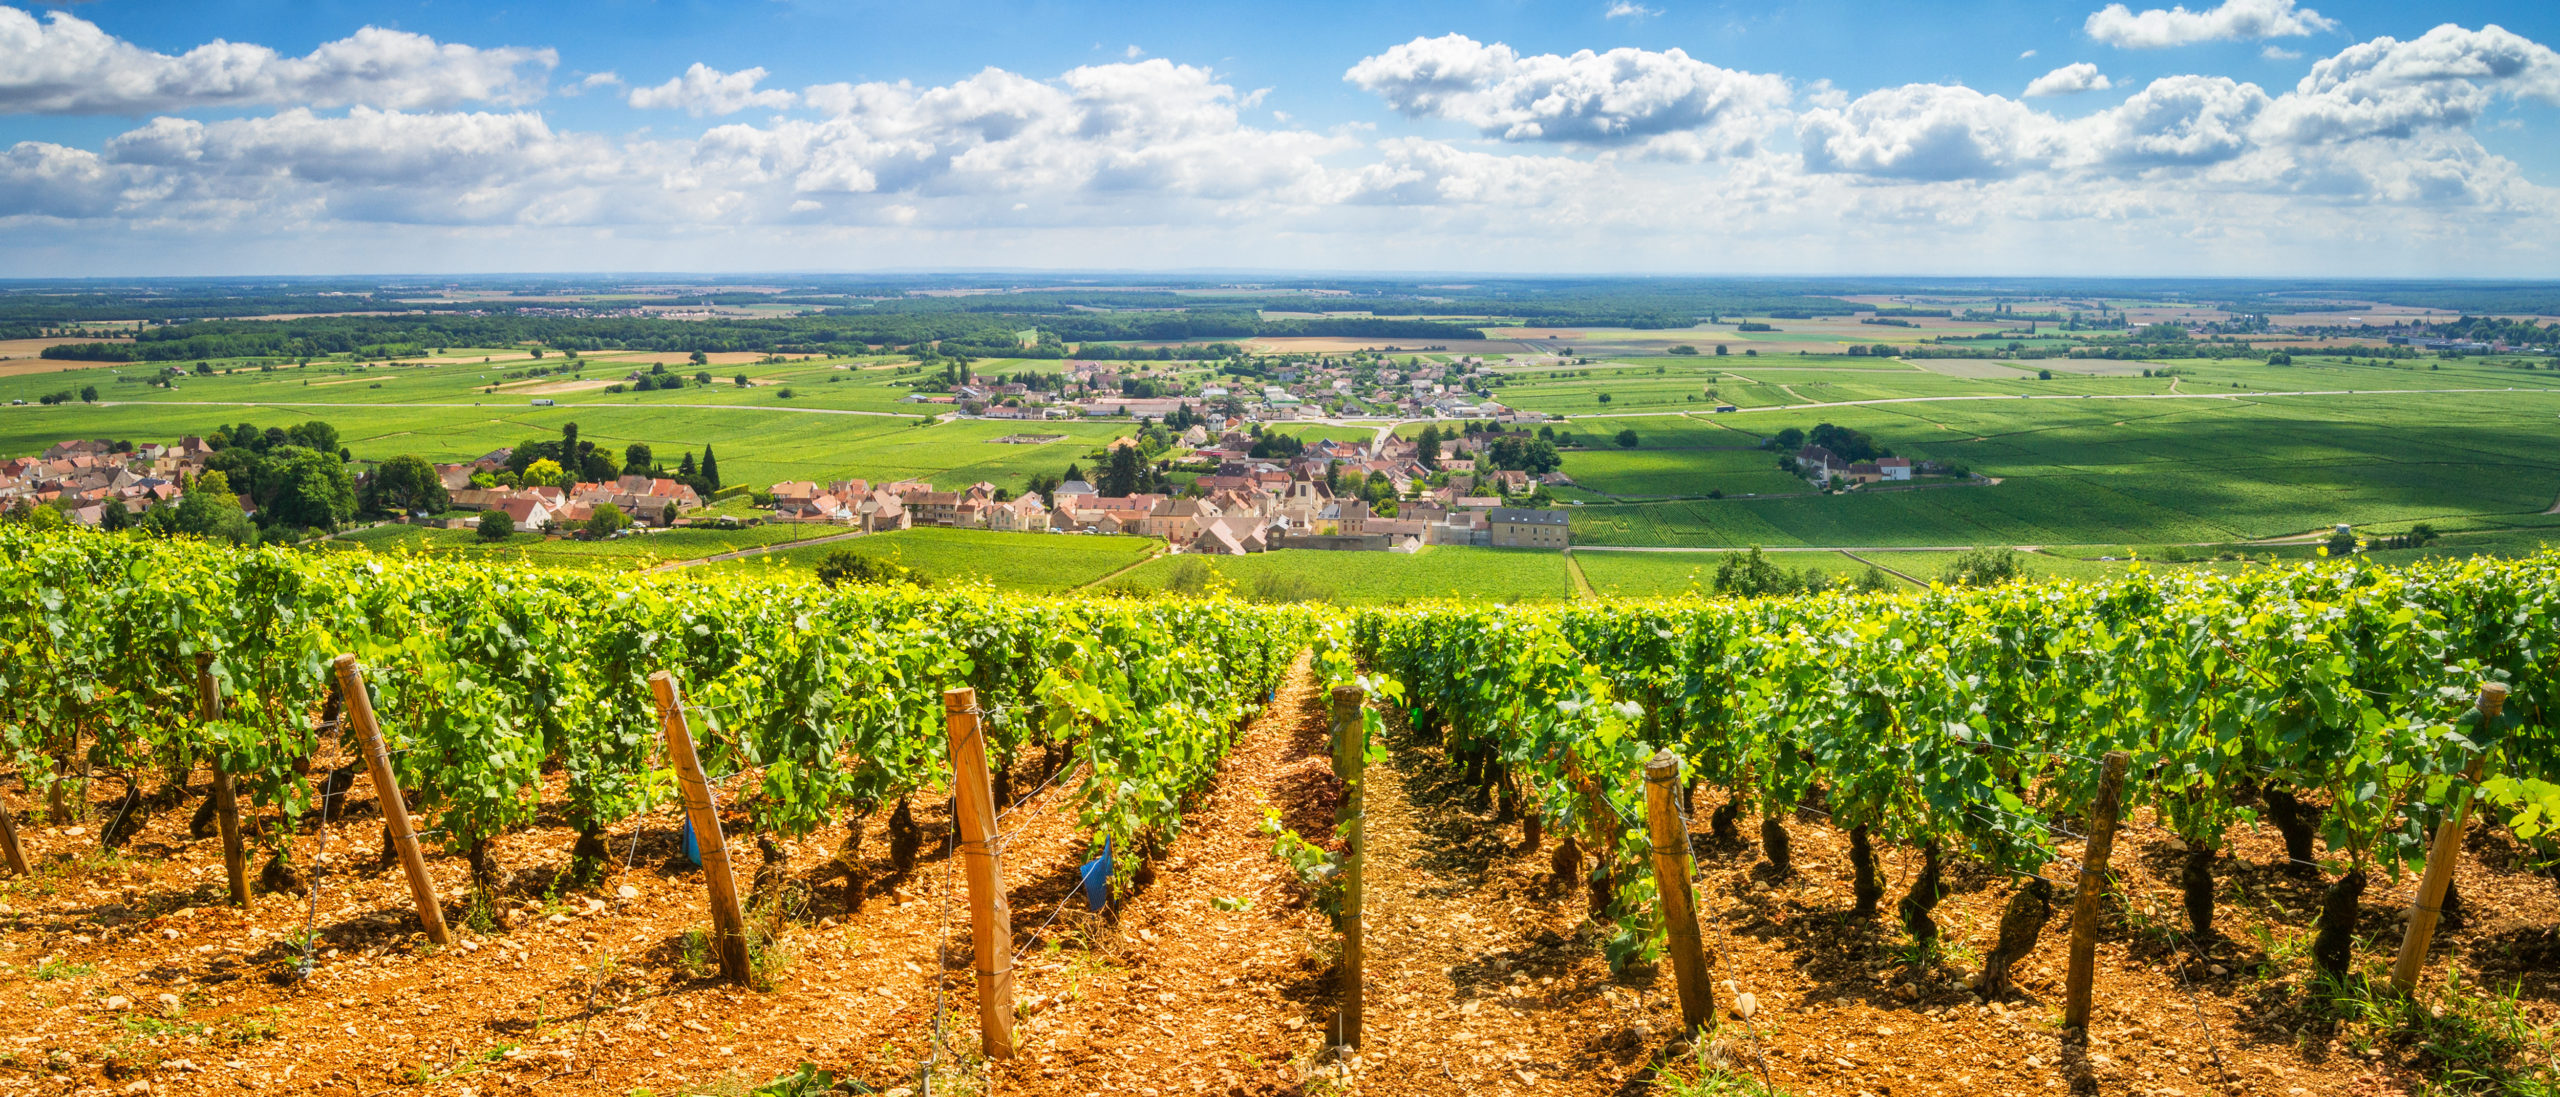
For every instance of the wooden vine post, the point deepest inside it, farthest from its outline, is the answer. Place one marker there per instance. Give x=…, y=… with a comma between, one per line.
x=1351, y=765
x=1670, y=839
x=728, y=923
x=386, y=790
x=15, y=854
x=2092, y=886
x=226, y=801
x=2428, y=907
x=982, y=853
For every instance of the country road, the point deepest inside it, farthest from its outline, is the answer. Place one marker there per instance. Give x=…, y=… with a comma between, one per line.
x=758, y=550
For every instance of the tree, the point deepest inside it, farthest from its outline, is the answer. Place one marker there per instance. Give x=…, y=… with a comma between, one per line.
x=637, y=460
x=88, y=394
x=496, y=526
x=844, y=566
x=568, y=438
x=1427, y=446
x=1985, y=567
x=307, y=488
x=408, y=483
x=1124, y=473
x=2342, y=543
x=208, y=509
x=607, y=520
x=1627, y=438
x=1790, y=439
x=1752, y=575
x=544, y=471
x=685, y=469
x=1074, y=472
x=314, y=435
x=698, y=358
x=710, y=470
x=741, y=379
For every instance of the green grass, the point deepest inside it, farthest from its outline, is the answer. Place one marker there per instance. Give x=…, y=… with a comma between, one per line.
x=1038, y=563
x=1654, y=574
x=629, y=553
x=1441, y=571
x=1691, y=472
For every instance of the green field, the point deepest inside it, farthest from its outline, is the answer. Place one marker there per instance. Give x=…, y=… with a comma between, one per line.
x=1441, y=571
x=1038, y=563
x=1651, y=574
x=625, y=554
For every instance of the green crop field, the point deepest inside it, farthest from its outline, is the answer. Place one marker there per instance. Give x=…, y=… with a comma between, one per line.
x=1441, y=571
x=1039, y=563
x=1681, y=472
x=627, y=553
x=1648, y=574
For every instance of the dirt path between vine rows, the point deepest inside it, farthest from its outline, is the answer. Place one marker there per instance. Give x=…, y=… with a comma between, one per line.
x=1211, y=981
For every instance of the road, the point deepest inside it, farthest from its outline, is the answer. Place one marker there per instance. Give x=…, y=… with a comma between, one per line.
x=759, y=550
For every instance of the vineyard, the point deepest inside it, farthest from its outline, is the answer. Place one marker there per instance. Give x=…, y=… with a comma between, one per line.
x=1892, y=815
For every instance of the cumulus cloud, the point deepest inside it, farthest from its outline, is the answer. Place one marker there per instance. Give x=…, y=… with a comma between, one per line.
x=705, y=90
x=41, y=179
x=2388, y=88
x=1928, y=132
x=2232, y=20
x=2069, y=80
x=1624, y=96
x=1414, y=171
x=2176, y=121
x=67, y=65
x=1629, y=9
x=1097, y=132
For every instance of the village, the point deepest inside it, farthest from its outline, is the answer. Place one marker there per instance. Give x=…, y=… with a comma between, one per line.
x=1381, y=495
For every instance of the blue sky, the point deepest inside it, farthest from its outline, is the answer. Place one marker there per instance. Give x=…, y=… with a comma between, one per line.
x=2234, y=137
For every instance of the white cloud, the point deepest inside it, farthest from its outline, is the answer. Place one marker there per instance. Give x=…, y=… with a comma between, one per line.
x=2387, y=88
x=591, y=82
x=41, y=179
x=2070, y=79
x=1620, y=97
x=2023, y=55
x=2176, y=121
x=2279, y=53
x=1933, y=132
x=67, y=65
x=705, y=90
x=1133, y=52
x=1098, y=132
x=2232, y=20
x=1629, y=9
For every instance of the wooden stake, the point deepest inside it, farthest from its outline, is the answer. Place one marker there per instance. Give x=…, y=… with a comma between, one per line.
x=1351, y=764
x=990, y=921
x=2428, y=907
x=9, y=847
x=226, y=800
x=728, y=923
x=1670, y=838
x=2092, y=885
x=386, y=790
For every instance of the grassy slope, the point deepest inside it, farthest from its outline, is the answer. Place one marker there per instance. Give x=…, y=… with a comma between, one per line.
x=1444, y=571
x=1033, y=562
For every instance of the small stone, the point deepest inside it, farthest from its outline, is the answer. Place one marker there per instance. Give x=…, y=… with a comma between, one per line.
x=2035, y=1061
x=142, y=1085
x=1744, y=1005
x=2218, y=969
x=626, y=893
x=169, y=1002
x=1907, y=991
x=74, y=832
x=170, y=934
x=595, y=906
x=558, y=919
x=118, y=1002
x=2175, y=844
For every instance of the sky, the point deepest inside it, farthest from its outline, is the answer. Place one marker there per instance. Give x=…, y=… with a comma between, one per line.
x=2240, y=137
